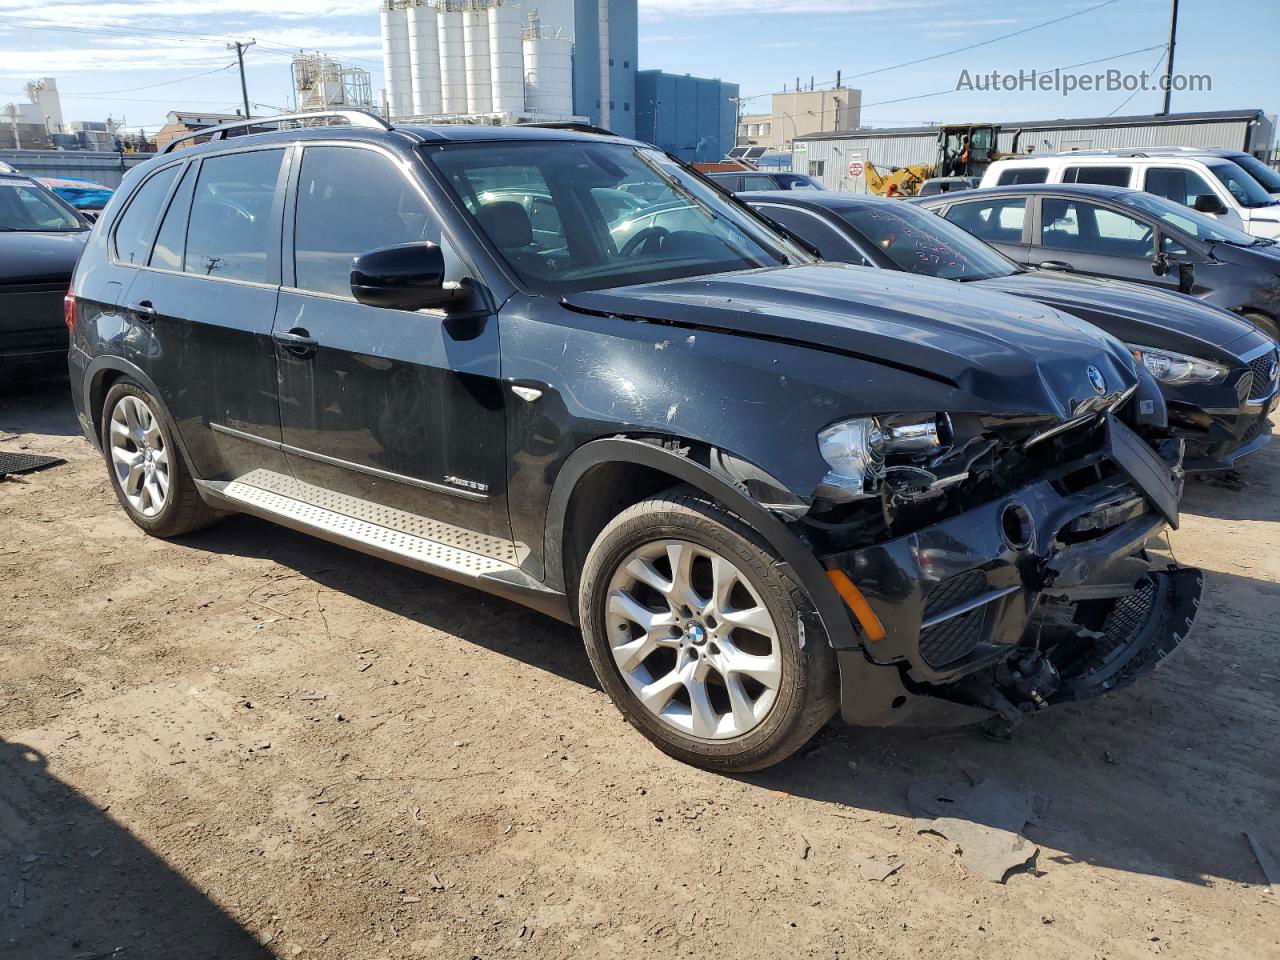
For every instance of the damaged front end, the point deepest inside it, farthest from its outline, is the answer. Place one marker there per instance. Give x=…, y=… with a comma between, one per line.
x=998, y=566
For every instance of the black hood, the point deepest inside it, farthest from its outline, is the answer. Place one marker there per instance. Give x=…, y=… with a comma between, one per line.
x=39, y=257
x=1011, y=354
x=1137, y=314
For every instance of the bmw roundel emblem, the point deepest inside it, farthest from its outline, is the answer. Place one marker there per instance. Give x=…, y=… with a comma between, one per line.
x=697, y=633
x=1096, y=380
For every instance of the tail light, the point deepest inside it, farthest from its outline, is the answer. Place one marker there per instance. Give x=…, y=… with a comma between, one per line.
x=69, y=310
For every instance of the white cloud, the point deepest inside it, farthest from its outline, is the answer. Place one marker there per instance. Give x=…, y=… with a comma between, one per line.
x=675, y=9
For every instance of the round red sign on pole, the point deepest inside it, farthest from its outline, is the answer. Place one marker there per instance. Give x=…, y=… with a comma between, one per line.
x=855, y=168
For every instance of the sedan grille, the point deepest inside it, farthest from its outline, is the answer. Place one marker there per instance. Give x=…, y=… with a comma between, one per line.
x=1263, y=369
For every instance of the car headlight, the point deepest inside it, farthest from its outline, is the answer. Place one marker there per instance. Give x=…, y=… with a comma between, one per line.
x=1169, y=367
x=855, y=450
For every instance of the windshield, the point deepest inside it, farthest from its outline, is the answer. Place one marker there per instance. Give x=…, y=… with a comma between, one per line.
x=25, y=207
x=921, y=242
x=1267, y=176
x=1185, y=219
x=572, y=215
x=1247, y=191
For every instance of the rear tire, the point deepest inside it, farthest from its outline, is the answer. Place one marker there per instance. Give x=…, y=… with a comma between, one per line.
x=1263, y=323
x=148, y=473
x=694, y=631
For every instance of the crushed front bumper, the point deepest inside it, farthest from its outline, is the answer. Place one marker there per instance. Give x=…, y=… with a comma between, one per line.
x=960, y=599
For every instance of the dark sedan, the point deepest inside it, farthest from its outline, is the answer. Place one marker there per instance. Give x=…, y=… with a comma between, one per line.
x=759, y=180
x=1127, y=234
x=1217, y=372
x=40, y=240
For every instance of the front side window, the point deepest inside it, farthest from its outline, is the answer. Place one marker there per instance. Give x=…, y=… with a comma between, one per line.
x=1089, y=228
x=137, y=226
x=685, y=228
x=995, y=221
x=1018, y=175
x=1247, y=191
x=25, y=207
x=758, y=183
x=230, y=233
x=1177, y=184
x=1108, y=176
x=917, y=241
x=351, y=201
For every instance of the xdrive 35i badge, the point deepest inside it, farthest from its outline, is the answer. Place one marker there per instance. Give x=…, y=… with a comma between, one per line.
x=1096, y=380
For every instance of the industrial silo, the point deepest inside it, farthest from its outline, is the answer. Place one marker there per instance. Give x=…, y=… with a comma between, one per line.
x=424, y=58
x=475, y=45
x=395, y=58
x=506, y=57
x=453, y=61
x=548, y=66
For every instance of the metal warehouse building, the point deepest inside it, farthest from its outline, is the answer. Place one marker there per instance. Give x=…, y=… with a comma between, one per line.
x=692, y=117
x=835, y=157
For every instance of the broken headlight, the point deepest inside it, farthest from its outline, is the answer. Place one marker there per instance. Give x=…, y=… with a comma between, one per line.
x=856, y=451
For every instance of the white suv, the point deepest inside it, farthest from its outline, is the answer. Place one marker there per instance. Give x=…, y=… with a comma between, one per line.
x=1212, y=184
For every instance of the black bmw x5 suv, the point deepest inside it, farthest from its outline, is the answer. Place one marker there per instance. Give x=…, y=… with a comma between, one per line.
x=764, y=487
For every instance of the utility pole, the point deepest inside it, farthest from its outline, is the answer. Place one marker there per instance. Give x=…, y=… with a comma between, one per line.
x=1168, y=70
x=240, y=48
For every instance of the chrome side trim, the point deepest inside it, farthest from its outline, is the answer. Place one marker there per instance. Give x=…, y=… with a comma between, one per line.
x=1060, y=428
x=348, y=465
x=979, y=601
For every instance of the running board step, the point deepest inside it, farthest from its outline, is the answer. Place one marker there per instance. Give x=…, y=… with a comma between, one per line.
x=420, y=553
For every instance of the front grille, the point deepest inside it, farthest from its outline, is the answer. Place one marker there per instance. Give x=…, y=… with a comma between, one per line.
x=952, y=639
x=1263, y=369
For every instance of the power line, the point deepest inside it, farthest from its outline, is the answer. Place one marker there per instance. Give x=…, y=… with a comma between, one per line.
x=972, y=46
x=1156, y=66
x=162, y=83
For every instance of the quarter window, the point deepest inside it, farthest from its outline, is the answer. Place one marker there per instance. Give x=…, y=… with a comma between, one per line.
x=138, y=224
x=1023, y=175
x=230, y=231
x=996, y=221
x=351, y=201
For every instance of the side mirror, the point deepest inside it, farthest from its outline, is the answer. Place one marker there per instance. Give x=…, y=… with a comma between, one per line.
x=1186, y=276
x=406, y=276
x=1160, y=265
x=1208, y=203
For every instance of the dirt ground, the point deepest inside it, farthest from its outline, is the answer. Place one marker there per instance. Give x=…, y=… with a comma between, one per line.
x=251, y=744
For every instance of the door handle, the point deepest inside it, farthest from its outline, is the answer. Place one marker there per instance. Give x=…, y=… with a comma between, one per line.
x=1057, y=265
x=143, y=310
x=297, y=341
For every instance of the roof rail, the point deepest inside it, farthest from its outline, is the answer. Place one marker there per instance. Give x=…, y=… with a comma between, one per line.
x=576, y=125
x=356, y=118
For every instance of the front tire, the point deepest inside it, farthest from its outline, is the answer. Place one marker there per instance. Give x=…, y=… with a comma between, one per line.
x=1264, y=323
x=148, y=473
x=695, y=633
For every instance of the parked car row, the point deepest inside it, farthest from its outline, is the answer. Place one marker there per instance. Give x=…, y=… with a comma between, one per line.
x=563, y=367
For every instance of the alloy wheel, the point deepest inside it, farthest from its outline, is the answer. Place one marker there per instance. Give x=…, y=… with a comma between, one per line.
x=693, y=640
x=139, y=456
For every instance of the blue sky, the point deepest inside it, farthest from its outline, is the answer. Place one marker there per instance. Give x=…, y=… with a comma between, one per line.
x=129, y=58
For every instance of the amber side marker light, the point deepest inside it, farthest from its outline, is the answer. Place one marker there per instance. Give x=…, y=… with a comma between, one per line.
x=856, y=602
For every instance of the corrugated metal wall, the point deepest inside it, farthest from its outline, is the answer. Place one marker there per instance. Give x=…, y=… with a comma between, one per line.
x=104, y=168
x=693, y=117
x=899, y=151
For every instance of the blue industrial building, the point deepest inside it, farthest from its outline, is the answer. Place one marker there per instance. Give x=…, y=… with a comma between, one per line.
x=619, y=114
x=694, y=118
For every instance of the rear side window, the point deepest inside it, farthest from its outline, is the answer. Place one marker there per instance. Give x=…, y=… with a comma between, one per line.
x=1018, y=175
x=996, y=221
x=758, y=183
x=1177, y=184
x=173, y=230
x=1108, y=176
x=138, y=224
x=830, y=243
x=230, y=226
x=351, y=201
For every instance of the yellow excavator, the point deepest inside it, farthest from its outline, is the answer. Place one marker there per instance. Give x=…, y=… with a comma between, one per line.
x=964, y=150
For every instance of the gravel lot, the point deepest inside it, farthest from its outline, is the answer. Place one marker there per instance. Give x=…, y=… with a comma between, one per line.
x=250, y=744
